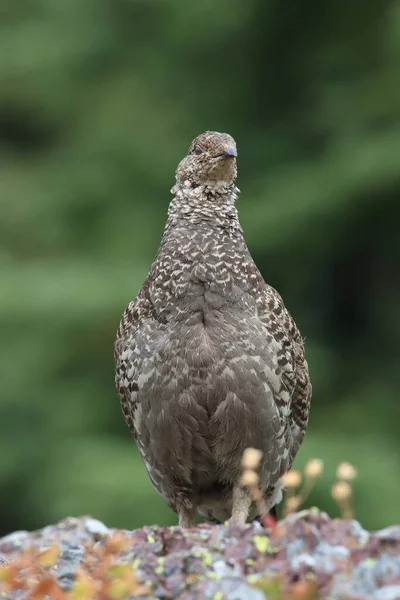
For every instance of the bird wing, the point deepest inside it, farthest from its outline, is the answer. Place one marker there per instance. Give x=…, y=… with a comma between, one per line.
x=127, y=360
x=135, y=367
x=294, y=397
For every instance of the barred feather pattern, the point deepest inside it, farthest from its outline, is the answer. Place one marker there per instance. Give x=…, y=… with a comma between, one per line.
x=208, y=359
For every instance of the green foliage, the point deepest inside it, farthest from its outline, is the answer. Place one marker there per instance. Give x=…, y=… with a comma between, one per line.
x=98, y=102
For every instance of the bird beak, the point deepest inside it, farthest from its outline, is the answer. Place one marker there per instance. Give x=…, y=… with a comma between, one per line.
x=230, y=152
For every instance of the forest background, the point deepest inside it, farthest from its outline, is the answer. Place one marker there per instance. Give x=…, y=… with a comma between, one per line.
x=99, y=101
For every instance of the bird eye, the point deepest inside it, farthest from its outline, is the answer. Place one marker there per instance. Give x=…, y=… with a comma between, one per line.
x=197, y=150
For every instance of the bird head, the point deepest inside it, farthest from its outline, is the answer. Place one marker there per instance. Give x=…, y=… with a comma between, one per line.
x=211, y=158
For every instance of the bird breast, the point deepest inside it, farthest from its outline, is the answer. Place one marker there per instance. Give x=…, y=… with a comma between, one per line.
x=199, y=290
x=196, y=276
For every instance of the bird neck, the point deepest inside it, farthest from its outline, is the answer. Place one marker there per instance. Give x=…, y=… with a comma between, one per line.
x=212, y=202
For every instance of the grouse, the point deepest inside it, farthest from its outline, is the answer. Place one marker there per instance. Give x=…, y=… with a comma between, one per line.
x=208, y=359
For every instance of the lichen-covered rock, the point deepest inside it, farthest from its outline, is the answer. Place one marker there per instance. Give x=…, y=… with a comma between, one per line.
x=308, y=555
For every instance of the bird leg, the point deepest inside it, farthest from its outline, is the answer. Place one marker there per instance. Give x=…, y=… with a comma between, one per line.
x=186, y=517
x=241, y=504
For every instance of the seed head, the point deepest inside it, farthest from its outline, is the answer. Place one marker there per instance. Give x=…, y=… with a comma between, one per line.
x=314, y=468
x=346, y=471
x=249, y=479
x=251, y=459
x=292, y=504
x=341, y=491
x=291, y=479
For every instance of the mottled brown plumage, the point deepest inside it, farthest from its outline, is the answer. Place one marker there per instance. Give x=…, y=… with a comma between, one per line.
x=208, y=359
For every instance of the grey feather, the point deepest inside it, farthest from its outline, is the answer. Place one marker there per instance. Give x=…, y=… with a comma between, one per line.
x=208, y=359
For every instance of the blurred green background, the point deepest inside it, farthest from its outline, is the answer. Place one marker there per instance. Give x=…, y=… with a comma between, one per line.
x=99, y=100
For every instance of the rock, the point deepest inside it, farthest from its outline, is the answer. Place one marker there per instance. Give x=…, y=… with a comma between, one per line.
x=307, y=554
x=13, y=541
x=70, y=559
x=96, y=528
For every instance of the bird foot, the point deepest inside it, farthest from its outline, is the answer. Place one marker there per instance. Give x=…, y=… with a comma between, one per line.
x=186, y=518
